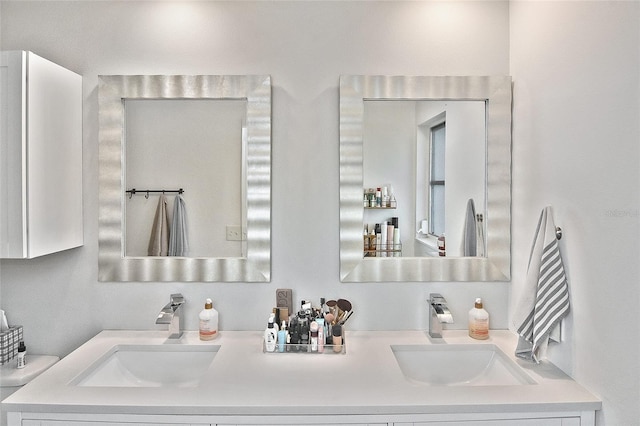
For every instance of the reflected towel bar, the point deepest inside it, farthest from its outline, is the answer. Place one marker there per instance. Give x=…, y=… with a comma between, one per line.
x=134, y=191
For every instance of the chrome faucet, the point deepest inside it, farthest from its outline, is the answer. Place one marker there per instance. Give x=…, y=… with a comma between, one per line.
x=438, y=314
x=170, y=314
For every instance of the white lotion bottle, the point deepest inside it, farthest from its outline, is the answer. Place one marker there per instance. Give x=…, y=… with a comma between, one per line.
x=270, y=337
x=208, y=321
x=479, y=321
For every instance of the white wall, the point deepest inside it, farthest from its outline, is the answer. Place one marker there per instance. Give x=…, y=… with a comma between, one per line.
x=576, y=73
x=575, y=69
x=305, y=47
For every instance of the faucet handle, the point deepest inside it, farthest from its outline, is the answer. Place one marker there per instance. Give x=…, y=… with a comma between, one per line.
x=436, y=298
x=177, y=299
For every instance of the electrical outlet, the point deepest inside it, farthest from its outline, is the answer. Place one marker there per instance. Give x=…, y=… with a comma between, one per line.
x=236, y=233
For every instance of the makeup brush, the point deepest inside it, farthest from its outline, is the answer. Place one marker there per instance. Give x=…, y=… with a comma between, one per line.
x=344, y=306
x=346, y=318
x=330, y=318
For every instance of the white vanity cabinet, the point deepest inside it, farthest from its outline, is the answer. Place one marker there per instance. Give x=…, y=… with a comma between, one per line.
x=584, y=418
x=40, y=156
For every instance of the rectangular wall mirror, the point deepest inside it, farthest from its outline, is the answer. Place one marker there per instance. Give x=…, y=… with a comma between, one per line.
x=198, y=146
x=438, y=150
x=206, y=139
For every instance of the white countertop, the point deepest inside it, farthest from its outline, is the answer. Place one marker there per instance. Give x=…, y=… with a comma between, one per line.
x=244, y=380
x=35, y=365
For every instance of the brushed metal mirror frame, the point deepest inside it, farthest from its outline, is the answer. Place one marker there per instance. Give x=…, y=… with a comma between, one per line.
x=496, y=93
x=113, y=265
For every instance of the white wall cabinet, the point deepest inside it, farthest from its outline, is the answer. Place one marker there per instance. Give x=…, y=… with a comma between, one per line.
x=40, y=156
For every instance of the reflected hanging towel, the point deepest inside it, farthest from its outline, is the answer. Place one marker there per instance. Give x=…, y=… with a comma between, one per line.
x=178, y=243
x=159, y=241
x=470, y=233
x=545, y=298
x=480, y=235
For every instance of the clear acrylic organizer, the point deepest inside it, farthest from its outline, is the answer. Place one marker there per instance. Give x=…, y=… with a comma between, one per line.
x=292, y=348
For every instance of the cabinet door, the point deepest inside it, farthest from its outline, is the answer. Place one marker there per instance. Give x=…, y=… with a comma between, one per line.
x=13, y=202
x=503, y=422
x=54, y=175
x=310, y=422
x=40, y=157
x=96, y=423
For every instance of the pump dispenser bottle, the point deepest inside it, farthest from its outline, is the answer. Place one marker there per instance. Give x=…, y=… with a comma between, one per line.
x=479, y=321
x=208, y=321
x=270, y=337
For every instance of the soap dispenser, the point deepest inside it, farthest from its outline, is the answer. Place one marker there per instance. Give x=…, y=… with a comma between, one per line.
x=478, y=321
x=208, y=321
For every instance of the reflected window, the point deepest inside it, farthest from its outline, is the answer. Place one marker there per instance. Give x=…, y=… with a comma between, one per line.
x=437, y=145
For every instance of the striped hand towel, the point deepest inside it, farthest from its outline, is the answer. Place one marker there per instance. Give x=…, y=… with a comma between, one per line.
x=545, y=299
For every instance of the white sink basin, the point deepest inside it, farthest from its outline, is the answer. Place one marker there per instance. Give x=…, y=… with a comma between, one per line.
x=176, y=365
x=458, y=365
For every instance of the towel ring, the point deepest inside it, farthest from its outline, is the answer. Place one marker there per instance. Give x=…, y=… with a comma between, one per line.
x=558, y=232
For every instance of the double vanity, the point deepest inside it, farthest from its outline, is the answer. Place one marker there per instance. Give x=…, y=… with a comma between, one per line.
x=384, y=377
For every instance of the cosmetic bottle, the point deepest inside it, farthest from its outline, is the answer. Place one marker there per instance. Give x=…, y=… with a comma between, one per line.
x=314, y=336
x=390, y=230
x=365, y=238
x=383, y=239
x=288, y=340
x=270, y=337
x=321, y=334
x=392, y=202
x=282, y=337
x=208, y=329
x=378, y=197
x=478, y=321
x=441, y=246
x=272, y=318
x=372, y=241
x=304, y=335
x=22, y=354
x=396, y=237
x=337, y=338
x=294, y=334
